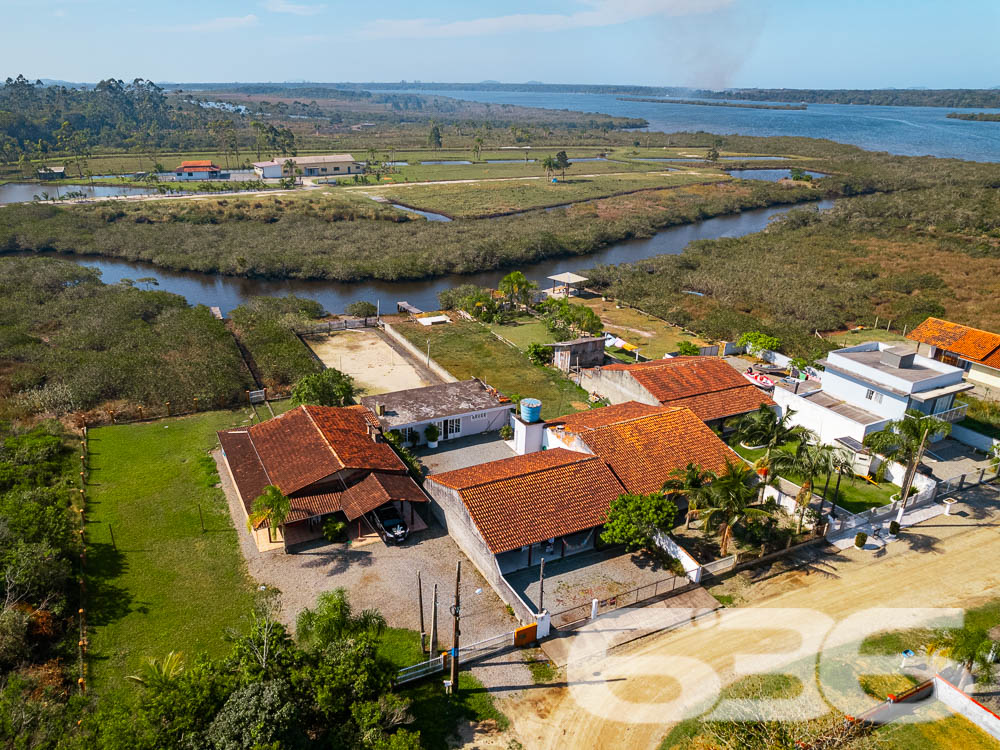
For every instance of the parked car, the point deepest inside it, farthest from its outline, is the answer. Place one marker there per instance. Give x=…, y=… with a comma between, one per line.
x=389, y=524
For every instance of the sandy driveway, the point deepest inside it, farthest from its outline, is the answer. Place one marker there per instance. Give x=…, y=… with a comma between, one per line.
x=950, y=561
x=375, y=365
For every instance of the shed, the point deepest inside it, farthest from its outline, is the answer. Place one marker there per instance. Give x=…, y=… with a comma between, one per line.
x=581, y=352
x=51, y=173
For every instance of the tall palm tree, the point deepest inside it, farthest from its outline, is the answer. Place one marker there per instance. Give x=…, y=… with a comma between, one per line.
x=517, y=288
x=809, y=462
x=271, y=507
x=903, y=440
x=550, y=165
x=692, y=482
x=729, y=502
x=970, y=647
x=843, y=464
x=334, y=619
x=765, y=428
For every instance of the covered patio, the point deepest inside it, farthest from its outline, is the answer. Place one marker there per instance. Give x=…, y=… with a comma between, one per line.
x=564, y=284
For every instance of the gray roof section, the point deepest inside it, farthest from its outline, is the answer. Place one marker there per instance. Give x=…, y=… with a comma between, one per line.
x=419, y=405
x=914, y=373
x=844, y=409
x=574, y=342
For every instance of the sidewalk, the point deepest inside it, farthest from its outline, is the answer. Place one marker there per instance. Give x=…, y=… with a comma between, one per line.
x=845, y=539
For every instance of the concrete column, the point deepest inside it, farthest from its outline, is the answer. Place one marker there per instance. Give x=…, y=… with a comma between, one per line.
x=544, y=625
x=593, y=609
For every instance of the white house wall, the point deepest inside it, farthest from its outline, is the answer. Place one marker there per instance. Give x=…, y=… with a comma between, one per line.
x=983, y=375
x=617, y=386
x=845, y=388
x=827, y=424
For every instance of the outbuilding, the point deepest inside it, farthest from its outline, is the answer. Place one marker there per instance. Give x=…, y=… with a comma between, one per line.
x=197, y=170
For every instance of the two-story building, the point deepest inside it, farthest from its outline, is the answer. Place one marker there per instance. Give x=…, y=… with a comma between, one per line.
x=864, y=387
x=974, y=350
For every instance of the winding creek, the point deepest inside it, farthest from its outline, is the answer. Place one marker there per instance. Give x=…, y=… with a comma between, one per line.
x=228, y=292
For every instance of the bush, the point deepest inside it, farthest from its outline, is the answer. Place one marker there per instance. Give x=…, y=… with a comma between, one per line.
x=540, y=354
x=330, y=387
x=687, y=349
x=756, y=341
x=894, y=527
x=432, y=433
x=506, y=432
x=362, y=309
x=334, y=530
x=860, y=540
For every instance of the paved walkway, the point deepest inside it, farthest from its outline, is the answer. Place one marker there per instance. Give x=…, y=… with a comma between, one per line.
x=845, y=539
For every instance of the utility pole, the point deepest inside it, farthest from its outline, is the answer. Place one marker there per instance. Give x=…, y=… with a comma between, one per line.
x=434, y=622
x=420, y=606
x=541, y=586
x=428, y=352
x=456, y=612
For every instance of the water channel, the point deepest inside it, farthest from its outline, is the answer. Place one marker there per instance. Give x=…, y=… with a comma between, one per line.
x=228, y=292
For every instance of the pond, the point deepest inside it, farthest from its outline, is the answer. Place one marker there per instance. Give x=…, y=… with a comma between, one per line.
x=508, y=161
x=446, y=162
x=228, y=292
x=769, y=175
x=25, y=192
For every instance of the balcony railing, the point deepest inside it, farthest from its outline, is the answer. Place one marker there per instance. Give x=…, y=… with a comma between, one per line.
x=953, y=415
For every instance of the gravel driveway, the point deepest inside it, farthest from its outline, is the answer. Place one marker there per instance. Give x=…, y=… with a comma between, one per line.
x=385, y=578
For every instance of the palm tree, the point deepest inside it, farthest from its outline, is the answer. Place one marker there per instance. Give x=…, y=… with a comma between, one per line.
x=692, y=482
x=156, y=673
x=809, y=462
x=516, y=287
x=764, y=428
x=970, y=647
x=550, y=165
x=477, y=146
x=729, y=501
x=289, y=166
x=843, y=463
x=333, y=619
x=903, y=440
x=271, y=507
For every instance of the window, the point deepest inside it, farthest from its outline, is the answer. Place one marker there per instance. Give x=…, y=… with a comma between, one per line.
x=324, y=169
x=454, y=427
x=335, y=169
x=478, y=417
x=873, y=396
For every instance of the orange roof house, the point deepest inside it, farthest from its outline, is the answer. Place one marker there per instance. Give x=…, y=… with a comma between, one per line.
x=325, y=459
x=642, y=444
x=708, y=386
x=953, y=341
x=197, y=170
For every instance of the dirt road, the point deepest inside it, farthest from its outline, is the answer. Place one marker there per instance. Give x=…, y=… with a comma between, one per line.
x=950, y=561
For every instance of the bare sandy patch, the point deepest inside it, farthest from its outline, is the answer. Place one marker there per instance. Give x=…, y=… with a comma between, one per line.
x=375, y=366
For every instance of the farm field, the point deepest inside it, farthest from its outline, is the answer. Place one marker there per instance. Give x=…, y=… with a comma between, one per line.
x=168, y=586
x=480, y=199
x=467, y=349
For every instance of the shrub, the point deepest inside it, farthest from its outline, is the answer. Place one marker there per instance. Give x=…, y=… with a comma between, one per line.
x=539, y=354
x=756, y=341
x=334, y=530
x=894, y=527
x=362, y=309
x=330, y=387
x=506, y=432
x=860, y=540
x=687, y=349
x=431, y=432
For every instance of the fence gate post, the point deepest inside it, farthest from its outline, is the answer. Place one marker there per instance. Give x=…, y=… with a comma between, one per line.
x=593, y=609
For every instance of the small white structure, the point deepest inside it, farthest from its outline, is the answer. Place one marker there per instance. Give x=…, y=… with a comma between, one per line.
x=564, y=283
x=865, y=387
x=197, y=170
x=328, y=165
x=267, y=169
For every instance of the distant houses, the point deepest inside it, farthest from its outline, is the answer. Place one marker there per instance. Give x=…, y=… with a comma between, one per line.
x=974, y=350
x=310, y=166
x=51, y=173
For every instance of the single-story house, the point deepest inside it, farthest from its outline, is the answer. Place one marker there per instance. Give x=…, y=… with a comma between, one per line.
x=197, y=170
x=642, y=444
x=51, y=173
x=508, y=514
x=972, y=349
x=581, y=352
x=326, y=460
x=708, y=386
x=329, y=165
x=467, y=407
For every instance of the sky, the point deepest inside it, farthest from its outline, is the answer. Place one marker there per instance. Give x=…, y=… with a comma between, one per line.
x=702, y=43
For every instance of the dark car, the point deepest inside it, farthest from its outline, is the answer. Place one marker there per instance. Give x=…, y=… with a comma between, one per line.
x=389, y=524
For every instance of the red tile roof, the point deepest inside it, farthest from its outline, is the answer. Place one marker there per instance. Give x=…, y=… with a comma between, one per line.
x=970, y=343
x=303, y=446
x=644, y=450
x=197, y=166
x=373, y=491
x=709, y=386
x=527, y=499
x=604, y=415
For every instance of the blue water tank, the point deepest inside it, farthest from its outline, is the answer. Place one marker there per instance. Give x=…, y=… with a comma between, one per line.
x=531, y=409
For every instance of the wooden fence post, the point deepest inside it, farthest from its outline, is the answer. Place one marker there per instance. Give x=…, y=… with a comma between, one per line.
x=201, y=518
x=168, y=409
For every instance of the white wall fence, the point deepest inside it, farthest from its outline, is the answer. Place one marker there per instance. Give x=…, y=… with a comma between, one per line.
x=968, y=707
x=972, y=438
x=692, y=568
x=420, y=356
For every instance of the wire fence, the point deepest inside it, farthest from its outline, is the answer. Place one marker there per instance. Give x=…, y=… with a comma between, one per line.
x=79, y=506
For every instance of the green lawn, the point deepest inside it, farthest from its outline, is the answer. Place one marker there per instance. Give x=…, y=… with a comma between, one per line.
x=524, y=331
x=654, y=336
x=982, y=416
x=855, y=495
x=470, y=200
x=850, y=338
x=168, y=587
x=467, y=349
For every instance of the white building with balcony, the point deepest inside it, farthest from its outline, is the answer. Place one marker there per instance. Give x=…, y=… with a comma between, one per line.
x=864, y=387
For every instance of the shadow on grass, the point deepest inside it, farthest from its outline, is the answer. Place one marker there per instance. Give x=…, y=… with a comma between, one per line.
x=106, y=602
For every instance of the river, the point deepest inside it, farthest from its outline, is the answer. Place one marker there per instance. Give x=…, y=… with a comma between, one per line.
x=912, y=131
x=24, y=192
x=228, y=292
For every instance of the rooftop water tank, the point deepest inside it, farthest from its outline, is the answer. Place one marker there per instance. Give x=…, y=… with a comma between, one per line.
x=531, y=409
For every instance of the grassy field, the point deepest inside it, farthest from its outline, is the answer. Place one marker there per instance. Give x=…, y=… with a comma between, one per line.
x=467, y=350
x=653, y=336
x=168, y=586
x=525, y=331
x=850, y=338
x=493, y=198
x=855, y=495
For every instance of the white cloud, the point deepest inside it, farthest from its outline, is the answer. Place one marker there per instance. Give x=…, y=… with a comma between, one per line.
x=283, y=6
x=226, y=23
x=597, y=13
